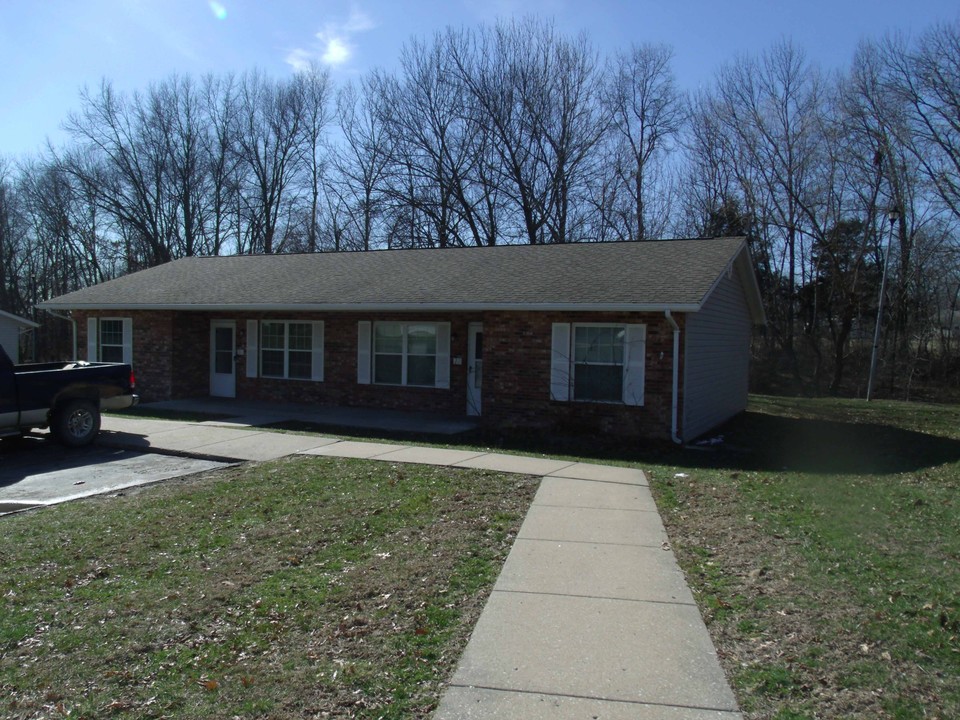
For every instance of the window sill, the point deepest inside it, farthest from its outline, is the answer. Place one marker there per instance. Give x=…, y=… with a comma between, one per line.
x=280, y=377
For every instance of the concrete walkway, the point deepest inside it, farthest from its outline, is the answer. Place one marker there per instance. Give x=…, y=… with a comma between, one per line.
x=590, y=617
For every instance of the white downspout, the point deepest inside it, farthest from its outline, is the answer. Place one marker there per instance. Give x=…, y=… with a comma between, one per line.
x=676, y=378
x=72, y=322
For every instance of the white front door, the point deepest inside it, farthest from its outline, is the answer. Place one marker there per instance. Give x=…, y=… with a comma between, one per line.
x=474, y=367
x=223, y=349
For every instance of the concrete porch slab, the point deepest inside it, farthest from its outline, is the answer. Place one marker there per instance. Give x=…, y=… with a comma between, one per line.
x=602, y=473
x=428, y=456
x=590, y=525
x=635, y=652
x=566, y=492
x=463, y=703
x=515, y=464
x=353, y=449
x=252, y=412
x=622, y=572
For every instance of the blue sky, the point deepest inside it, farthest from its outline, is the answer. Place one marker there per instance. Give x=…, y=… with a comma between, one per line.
x=50, y=49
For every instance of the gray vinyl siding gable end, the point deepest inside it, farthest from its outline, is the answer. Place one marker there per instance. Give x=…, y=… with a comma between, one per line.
x=716, y=358
x=10, y=339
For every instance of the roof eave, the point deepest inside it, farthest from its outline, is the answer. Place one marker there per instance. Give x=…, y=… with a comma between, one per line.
x=742, y=263
x=18, y=320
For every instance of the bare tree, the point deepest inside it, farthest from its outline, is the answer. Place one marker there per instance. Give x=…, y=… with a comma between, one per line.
x=122, y=159
x=268, y=136
x=178, y=110
x=926, y=80
x=361, y=163
x=645, y=113
x=13, y=237
x=221, y=218
x=772, y=109
x=313, y=87
x=710, y=184
x=436, y=151
x=534, y=92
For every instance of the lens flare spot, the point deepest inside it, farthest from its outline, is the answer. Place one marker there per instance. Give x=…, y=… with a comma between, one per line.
x=218, y=10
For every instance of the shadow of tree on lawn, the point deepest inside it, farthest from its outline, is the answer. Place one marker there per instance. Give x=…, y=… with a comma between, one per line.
x=761, y=441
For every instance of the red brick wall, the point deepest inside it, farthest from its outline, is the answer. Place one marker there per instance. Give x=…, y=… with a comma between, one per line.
x=153, y=345
x=517, y=377
x=171, y=356
x=340, y=387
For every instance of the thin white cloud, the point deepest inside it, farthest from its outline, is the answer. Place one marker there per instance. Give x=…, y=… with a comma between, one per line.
x=334, y=44
x=299, y=60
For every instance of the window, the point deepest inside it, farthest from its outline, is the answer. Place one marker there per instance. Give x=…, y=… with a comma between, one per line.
x=398, y=353
x=598, y=363
x=405, y=354
x=593, y=362
x=291, y=350
x=110, y=340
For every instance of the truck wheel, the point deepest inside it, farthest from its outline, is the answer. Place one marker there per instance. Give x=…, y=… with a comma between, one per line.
x=76, y=423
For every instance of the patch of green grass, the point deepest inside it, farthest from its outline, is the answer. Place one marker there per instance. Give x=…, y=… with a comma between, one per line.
x=768, y=680
x=286, y=589
x=822, y=541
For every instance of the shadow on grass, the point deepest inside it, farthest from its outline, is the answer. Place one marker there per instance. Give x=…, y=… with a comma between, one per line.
x=761, y=441
x=752, y=441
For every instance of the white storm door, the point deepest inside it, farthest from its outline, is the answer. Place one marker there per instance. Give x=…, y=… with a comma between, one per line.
x=223, y=350
x=474, y=367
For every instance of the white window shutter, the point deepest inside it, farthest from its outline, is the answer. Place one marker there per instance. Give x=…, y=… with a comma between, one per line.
x=128, y=341
x=560, y=362
x=634, y=360
x=363, y=352
x=253, y=350
x=317, y=372
x=443, y=355
x=92, y=325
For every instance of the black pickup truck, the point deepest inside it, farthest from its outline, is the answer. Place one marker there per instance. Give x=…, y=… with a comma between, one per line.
x=67, y=397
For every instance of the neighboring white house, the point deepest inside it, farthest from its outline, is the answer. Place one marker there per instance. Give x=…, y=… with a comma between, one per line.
x=10, y=328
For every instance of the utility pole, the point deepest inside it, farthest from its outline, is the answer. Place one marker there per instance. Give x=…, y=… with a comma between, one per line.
x=892, y=216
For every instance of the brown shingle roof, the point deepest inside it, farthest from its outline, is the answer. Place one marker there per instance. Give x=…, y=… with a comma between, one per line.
x=671, y=274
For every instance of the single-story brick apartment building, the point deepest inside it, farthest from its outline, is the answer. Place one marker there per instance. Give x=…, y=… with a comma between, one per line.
x=629, y=338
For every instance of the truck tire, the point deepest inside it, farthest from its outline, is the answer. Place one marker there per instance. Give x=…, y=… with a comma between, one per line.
x=76, y=423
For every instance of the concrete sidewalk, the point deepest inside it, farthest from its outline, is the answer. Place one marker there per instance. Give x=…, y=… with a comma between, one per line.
x=590, y=617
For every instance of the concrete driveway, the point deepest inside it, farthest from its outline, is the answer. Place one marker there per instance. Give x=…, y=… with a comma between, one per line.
x=38, y=471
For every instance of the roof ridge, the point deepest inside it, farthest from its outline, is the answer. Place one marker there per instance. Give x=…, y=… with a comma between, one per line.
x=477, y=248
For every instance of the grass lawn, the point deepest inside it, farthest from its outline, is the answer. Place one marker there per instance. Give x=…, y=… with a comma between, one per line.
x=823, y=545
x=305, y=587
x=821, y=539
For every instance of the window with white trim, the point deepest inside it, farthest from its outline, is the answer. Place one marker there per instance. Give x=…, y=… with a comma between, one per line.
x=413, y=354
x=598, y=362
x=291, y=350
x=110, y=340
x=405, y=354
